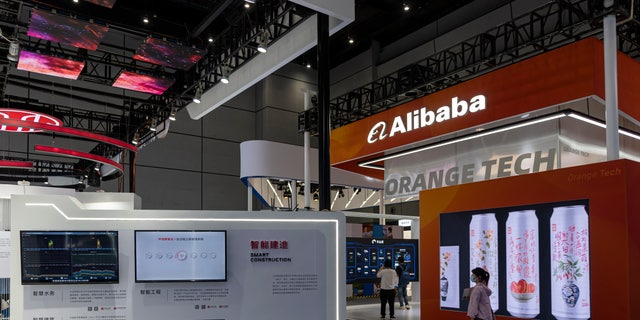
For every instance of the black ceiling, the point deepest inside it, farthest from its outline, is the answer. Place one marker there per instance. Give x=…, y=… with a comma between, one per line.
x=194, y=21
x=188, y=22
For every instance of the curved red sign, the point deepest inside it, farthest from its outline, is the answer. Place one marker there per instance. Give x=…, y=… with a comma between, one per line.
x=28, y=116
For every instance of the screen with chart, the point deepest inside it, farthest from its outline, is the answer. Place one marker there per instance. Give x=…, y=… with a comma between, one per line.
x=69, y=257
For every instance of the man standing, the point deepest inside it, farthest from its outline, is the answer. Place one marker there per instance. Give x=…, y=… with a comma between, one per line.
x=388, y=282
x=403, y=282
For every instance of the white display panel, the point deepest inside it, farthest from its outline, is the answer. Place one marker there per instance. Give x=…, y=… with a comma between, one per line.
x=273, y=259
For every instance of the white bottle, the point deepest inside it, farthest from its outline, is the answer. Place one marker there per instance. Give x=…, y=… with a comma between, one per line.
x=570, y=286
x=523, y=264
x=483, y=250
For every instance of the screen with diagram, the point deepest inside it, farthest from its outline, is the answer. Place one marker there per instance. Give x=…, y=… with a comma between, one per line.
x=366, y=255
x=163, y=256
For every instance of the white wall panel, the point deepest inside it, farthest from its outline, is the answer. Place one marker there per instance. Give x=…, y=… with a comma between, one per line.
x=175, y=151
x=221, y=157
x=168, y=189
x=221, y=192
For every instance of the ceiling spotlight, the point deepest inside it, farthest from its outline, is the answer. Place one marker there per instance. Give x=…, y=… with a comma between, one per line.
x=14, y=51
x=198, y=95
x=224, y=77
x=210, y=39
x=76, y=1
x=308, y=65
x=172, y=114
x=145, y=19
x=406, y=7
x=351, y=41
x=247, y=5
x=262, y=39
x=14, y=48
x=154, y=125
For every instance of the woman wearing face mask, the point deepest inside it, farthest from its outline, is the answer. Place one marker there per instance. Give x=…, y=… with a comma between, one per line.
x=479, y=301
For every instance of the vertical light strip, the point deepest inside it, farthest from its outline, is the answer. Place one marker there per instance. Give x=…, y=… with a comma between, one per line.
x=275, y=192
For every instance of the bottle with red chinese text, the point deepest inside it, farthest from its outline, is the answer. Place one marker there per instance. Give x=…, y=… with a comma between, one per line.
x=483, y=249
x=570, y=287
x=523, y=277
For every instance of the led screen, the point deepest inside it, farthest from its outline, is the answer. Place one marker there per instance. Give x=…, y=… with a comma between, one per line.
x=168, y=54
x=104, y=3
x=366, y=255
x=143, y=83
x=180, y=256
x=53, y=66
x=65, y=30
x=537, y=256
x=69, y=257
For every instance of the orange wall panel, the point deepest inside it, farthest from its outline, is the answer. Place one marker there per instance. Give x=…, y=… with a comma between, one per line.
x=614, y=239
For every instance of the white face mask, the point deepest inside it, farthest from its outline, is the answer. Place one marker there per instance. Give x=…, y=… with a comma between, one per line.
x=473, y=279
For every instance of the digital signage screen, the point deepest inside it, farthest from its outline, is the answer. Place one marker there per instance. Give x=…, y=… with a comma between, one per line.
x=104, y=3
x=168, y=54
x=69, y=257
x=180, y=256
x=49, y=65
x=142, y=83
x=537, y=256
x=65, y=30
x=366, y=255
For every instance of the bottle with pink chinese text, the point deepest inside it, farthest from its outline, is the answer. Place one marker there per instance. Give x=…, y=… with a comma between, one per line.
x=483, y=249
x=570, y=287
x=523, y=277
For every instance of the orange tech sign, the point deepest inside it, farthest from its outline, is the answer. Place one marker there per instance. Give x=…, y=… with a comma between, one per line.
x=566, y=74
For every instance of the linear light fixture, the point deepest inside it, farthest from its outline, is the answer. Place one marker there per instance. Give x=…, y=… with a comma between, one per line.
x=78, y=155
x=12, y=164
x=479, y=134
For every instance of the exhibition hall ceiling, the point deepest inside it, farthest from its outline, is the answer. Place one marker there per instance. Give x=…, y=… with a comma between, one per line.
x=121, y=69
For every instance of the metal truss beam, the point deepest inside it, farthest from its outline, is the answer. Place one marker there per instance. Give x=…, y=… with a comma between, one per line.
x=545, y=28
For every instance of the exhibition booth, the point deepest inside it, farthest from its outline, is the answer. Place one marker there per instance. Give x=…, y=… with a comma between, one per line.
x=512, y=173
x=73, y=261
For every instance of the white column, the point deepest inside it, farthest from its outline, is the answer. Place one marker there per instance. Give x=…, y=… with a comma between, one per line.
x=611, y=86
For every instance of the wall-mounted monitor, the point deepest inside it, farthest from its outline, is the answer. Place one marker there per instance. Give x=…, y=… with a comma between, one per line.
x=180, y=256
x=65, y=30
x=69, y=257
x=142, y=83
x=366, y=255
x=49, y=65
x=168, y=54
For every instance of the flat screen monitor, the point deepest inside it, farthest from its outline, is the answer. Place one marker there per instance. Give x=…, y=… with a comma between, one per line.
x=366, y=255
x=65, y=30
x=69, y=257
x=180, y=256
x=168, y=54
x=49, y=65
x=142, y=83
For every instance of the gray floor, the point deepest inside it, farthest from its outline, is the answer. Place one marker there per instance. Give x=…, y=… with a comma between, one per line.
x=372, y=311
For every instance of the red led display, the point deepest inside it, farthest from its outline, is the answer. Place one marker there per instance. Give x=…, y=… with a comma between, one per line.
x=53, y=66
x=73, y=32
x=142, y=83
